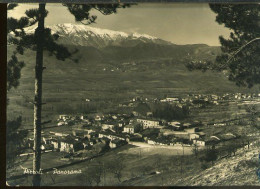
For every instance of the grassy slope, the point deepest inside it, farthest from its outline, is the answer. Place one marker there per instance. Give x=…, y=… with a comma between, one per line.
x=237, y=170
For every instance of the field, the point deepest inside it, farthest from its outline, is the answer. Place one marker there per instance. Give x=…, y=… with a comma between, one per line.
x=137, y=167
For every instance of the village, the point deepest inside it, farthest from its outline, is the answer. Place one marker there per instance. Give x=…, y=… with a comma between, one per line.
x=82, y=136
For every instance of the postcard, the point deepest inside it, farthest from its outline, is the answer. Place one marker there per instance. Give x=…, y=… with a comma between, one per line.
x=133, y=94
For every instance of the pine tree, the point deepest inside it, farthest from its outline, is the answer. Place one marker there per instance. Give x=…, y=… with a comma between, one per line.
x=42, y=40
x=240, y=52
x=14, y=135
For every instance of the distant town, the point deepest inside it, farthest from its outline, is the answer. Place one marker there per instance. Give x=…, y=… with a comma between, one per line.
x=94, y=133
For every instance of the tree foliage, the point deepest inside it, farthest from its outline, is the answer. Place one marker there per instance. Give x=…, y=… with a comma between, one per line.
x=170, y=112
x=42, y=39
x=240, y=52
x=14, y=142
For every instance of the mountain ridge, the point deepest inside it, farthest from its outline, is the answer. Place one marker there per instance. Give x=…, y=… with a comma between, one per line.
x=82, y=35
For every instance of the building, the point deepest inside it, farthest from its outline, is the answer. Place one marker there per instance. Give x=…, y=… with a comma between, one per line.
x=149, y=123
x=110, y=135
x=64, y=117
x=68, y=144
x=149, y=113
x=116, y=143
x=174, y=123
x=107, y=126
x=55, y=143
x=59, y=134
x=199, y=142
x=193, y=136
x=99, y=117
x=192, y=130
x=46, y=140
x=186, y=125
x=78, y=133
x=129, y=129
x=150, y=141
x=83, y=117
x=47, y=147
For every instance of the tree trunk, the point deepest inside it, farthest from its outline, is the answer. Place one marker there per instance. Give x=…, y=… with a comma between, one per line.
x=38, y=97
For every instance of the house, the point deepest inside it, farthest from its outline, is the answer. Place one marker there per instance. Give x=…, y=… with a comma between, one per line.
x=199, y=142
x=150, y=141
x=85, y=142
x=46, y=140
x=64, y=117
x=219, y=124
x=87, y=132
x=104, y=140
x=174, y=123
x=30, y=142
x=186, y=125
x=176, y=127
x=192, y=130
x=47, y=147
x=110, y=135
x=114, y=117
x=61, y=123
x=193, y=136
x=172, y=99
x=135, y=113
x=59, y=134
x=98, y=118
x=149, y=114
x=107, y=126
x=83, y=117
x=129, y=129
x=202, y=134
x=78, y=133
x=91, y=135
x=68, y=144
x=148, y=123
x=55, y=143
x=116, y=143
x=121, y=123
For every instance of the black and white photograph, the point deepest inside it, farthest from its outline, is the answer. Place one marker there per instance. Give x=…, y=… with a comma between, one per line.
x=133, y=94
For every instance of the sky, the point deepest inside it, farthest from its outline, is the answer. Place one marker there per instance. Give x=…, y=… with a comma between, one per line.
x=178, y=23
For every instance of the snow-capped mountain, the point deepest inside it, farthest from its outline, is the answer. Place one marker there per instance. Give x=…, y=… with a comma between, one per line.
x=83, y=35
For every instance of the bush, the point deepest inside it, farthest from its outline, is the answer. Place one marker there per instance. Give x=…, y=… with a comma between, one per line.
x=204, y=165
x=171, y=112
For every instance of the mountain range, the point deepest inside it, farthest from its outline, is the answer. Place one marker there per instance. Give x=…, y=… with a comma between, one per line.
x=129, y=62
x=83, y=35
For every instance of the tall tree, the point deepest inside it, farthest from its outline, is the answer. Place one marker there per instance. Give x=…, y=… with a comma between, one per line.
x=240, y=52
x=41, y=40
x=14, y=135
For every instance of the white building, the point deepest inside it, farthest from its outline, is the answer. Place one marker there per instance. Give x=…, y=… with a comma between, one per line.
x=193, y=136
x=107, y=126
x=199, y=142
x=148, y=123
x=129, y=129
x=64, y=117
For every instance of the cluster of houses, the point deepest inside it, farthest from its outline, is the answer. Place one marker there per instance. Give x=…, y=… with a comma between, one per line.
x=114, y=130
x=119, y=129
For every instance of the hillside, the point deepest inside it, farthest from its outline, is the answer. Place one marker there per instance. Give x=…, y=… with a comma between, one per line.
x=239, y=170
x=126, y=61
